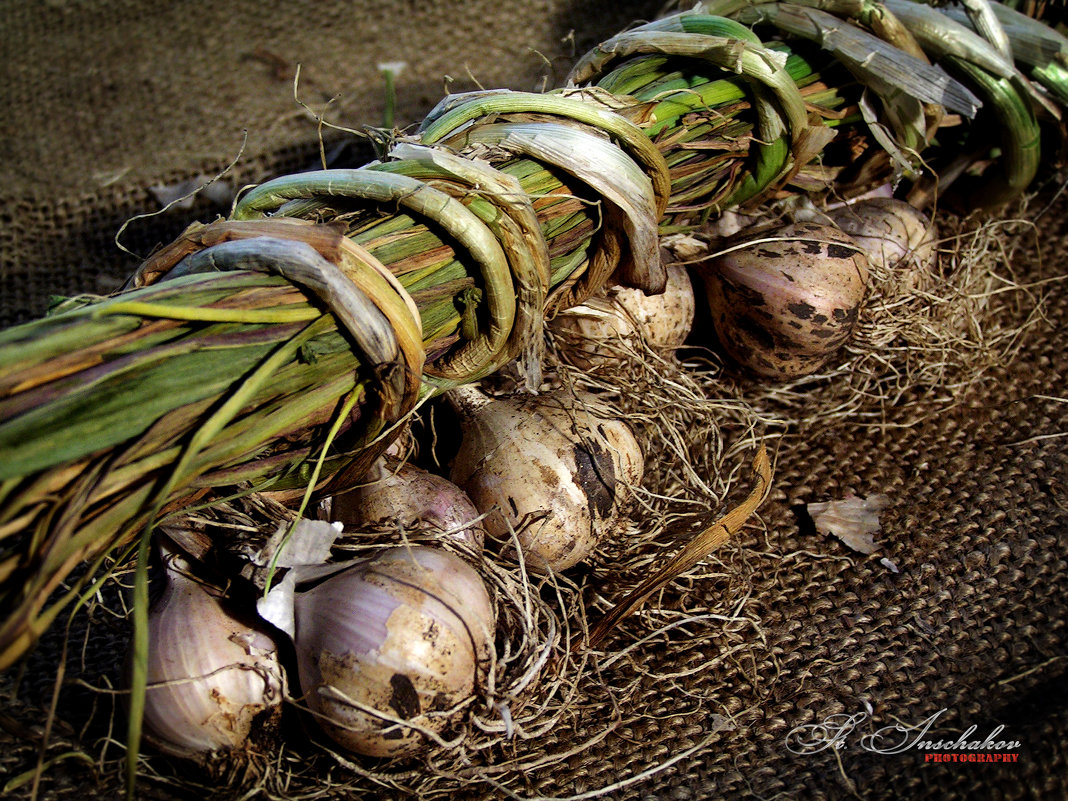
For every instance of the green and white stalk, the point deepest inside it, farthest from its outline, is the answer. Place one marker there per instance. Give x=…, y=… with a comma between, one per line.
x=209, y=374
x=1033, y=44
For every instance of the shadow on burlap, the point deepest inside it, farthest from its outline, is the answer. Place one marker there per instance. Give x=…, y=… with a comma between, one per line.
x=104, y=104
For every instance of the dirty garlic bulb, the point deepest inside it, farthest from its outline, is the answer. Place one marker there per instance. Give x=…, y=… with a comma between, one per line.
x=895, y=236
x=212, y=679
x=664, y=321
x=402, y=636
x=404, y=495
x=544, y=466
x=786, y=299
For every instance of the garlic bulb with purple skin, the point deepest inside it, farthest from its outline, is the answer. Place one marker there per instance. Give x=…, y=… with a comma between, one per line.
x=213, y=680
x=391, y=650
x=412, y=499
x=547, y=468
x=784, y=300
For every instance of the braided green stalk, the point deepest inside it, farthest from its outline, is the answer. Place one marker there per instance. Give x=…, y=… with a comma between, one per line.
x=338, y=301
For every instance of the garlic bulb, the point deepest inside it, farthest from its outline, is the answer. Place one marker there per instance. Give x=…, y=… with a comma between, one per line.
x=894, y=235
x=788, y=299
x=413, y=499
x=400, y=636
x=547, y=468
x=211, y=677
x=663, y=320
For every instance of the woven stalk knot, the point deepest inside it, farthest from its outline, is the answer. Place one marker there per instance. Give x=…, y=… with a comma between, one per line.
x=499, y=204
x=328, y=191
x=379, y=316
x=582, y=134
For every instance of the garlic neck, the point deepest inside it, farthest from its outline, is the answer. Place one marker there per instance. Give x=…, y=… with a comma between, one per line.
x=467, y=399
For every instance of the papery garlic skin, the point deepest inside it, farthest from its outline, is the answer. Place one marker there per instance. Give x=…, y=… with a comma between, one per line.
x=210, y=676
x=405, y=633
x=546, y=468
x=412, y=499
x=853, y=520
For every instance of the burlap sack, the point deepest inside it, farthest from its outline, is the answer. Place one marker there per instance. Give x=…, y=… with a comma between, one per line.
x=958, y=618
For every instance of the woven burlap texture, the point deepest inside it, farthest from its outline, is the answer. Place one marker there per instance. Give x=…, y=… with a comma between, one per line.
x=105, y=100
